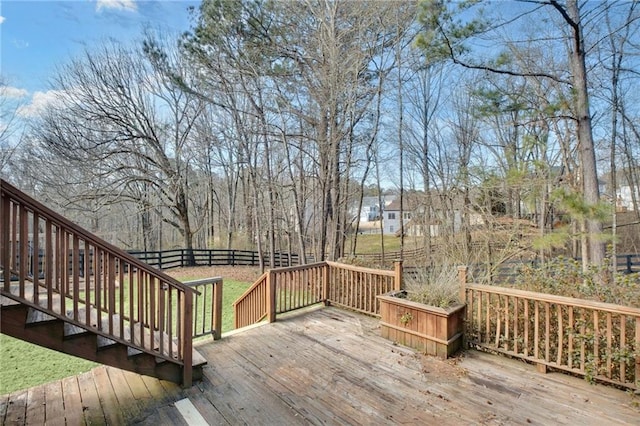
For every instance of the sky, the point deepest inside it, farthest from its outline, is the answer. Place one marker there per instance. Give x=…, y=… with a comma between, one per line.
x=37, y=36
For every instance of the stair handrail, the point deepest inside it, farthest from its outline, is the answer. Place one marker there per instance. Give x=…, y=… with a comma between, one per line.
x=50, y=214
x=151, y=282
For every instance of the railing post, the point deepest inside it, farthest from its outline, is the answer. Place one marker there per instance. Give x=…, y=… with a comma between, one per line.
x=5, y=225
x=216, y=313
x=325, y=284
x=462, y=279
x=187, y=339
x=271, y=296
x=397, y=279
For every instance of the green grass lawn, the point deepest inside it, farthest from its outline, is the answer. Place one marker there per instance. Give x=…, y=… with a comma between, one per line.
x=371, y=243
x=23, y=365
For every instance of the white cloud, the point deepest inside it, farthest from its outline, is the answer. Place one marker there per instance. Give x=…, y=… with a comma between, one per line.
x=12, y=92
x=20, y=44
x=40, y=101
x=2, y=18
x=129, y=5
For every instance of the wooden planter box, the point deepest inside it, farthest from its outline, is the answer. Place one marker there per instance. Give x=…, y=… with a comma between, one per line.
x=428, y=329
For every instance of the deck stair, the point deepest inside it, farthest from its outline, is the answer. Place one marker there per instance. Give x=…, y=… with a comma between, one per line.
x=63, y=288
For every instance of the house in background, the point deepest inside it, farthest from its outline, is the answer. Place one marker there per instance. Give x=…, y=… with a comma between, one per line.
x=391, y=217
x=445, y=218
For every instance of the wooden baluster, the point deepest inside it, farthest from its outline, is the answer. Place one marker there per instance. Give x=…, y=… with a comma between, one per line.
x=488, y=319
x=623, y=347
x=583, y=328
x=76, y=275
x=570, y=325
x=596, y=341
x=506, y=322
x=536, y=332
x=112, y=290
x=609, y=345
x=516, y=324
x=121, y=307
x=637, y=346
x=560, y=334
x=48, y=263
x=547, y=331
x=527, y=323
x=24, y=250
x=35, y=263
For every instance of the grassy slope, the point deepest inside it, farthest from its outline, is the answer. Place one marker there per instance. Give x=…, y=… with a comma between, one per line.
x=370, y=243
x=23, y=365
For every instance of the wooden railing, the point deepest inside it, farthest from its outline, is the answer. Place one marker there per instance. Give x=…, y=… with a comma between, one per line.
x=113, y=294
x=207, y=307
x=286, y=289
x=252, y=306
x=356, y=288
x=600, y=341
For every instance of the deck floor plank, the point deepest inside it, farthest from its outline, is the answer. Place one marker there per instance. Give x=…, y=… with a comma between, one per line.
x=199, y=399
x=108, y=399
x=35, y=406
x=129, y=405
x=91, y=406
x=54, y=397
x=72, y=401
x=330, y=366
x=16, y=407
x=4, y=402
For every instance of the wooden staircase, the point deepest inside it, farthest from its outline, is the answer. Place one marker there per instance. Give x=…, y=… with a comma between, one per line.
x=65, y=289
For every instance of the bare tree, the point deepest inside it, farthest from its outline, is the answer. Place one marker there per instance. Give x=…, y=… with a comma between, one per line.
x=120, y=116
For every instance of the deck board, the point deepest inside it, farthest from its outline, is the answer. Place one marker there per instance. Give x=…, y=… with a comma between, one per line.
x=54, y=411
x=35, y=406
x=91, y=407
x=330, y=366
x=108, y=399
x=72, y=401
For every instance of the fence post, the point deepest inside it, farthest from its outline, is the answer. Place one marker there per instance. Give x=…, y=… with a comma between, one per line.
x=271, y=296
x=628, y=264
x=462, y=279
x=397, y=279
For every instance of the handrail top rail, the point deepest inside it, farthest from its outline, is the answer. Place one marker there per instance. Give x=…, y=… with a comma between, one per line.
x=248, y=291
x=203, y=281
x=50, y=214
x=382, y=272
x=297, y=267
x=563, y=300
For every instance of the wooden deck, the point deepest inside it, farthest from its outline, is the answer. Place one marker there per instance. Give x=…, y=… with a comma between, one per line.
x=327, y=366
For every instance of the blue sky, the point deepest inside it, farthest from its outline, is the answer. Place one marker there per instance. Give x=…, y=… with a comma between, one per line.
x=37, y=36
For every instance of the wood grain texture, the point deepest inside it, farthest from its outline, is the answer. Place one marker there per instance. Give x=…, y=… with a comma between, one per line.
x=331, y=366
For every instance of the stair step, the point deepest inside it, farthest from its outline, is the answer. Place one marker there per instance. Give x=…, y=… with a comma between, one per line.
x=105, y=343
x=131, y=352
x=35, y=317
x=71, y=331
x=6, y=302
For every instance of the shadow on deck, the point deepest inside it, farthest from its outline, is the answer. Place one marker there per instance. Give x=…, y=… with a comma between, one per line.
x=326, y=366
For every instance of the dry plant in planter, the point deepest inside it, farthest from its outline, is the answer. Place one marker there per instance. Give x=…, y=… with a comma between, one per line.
x=428, y=315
